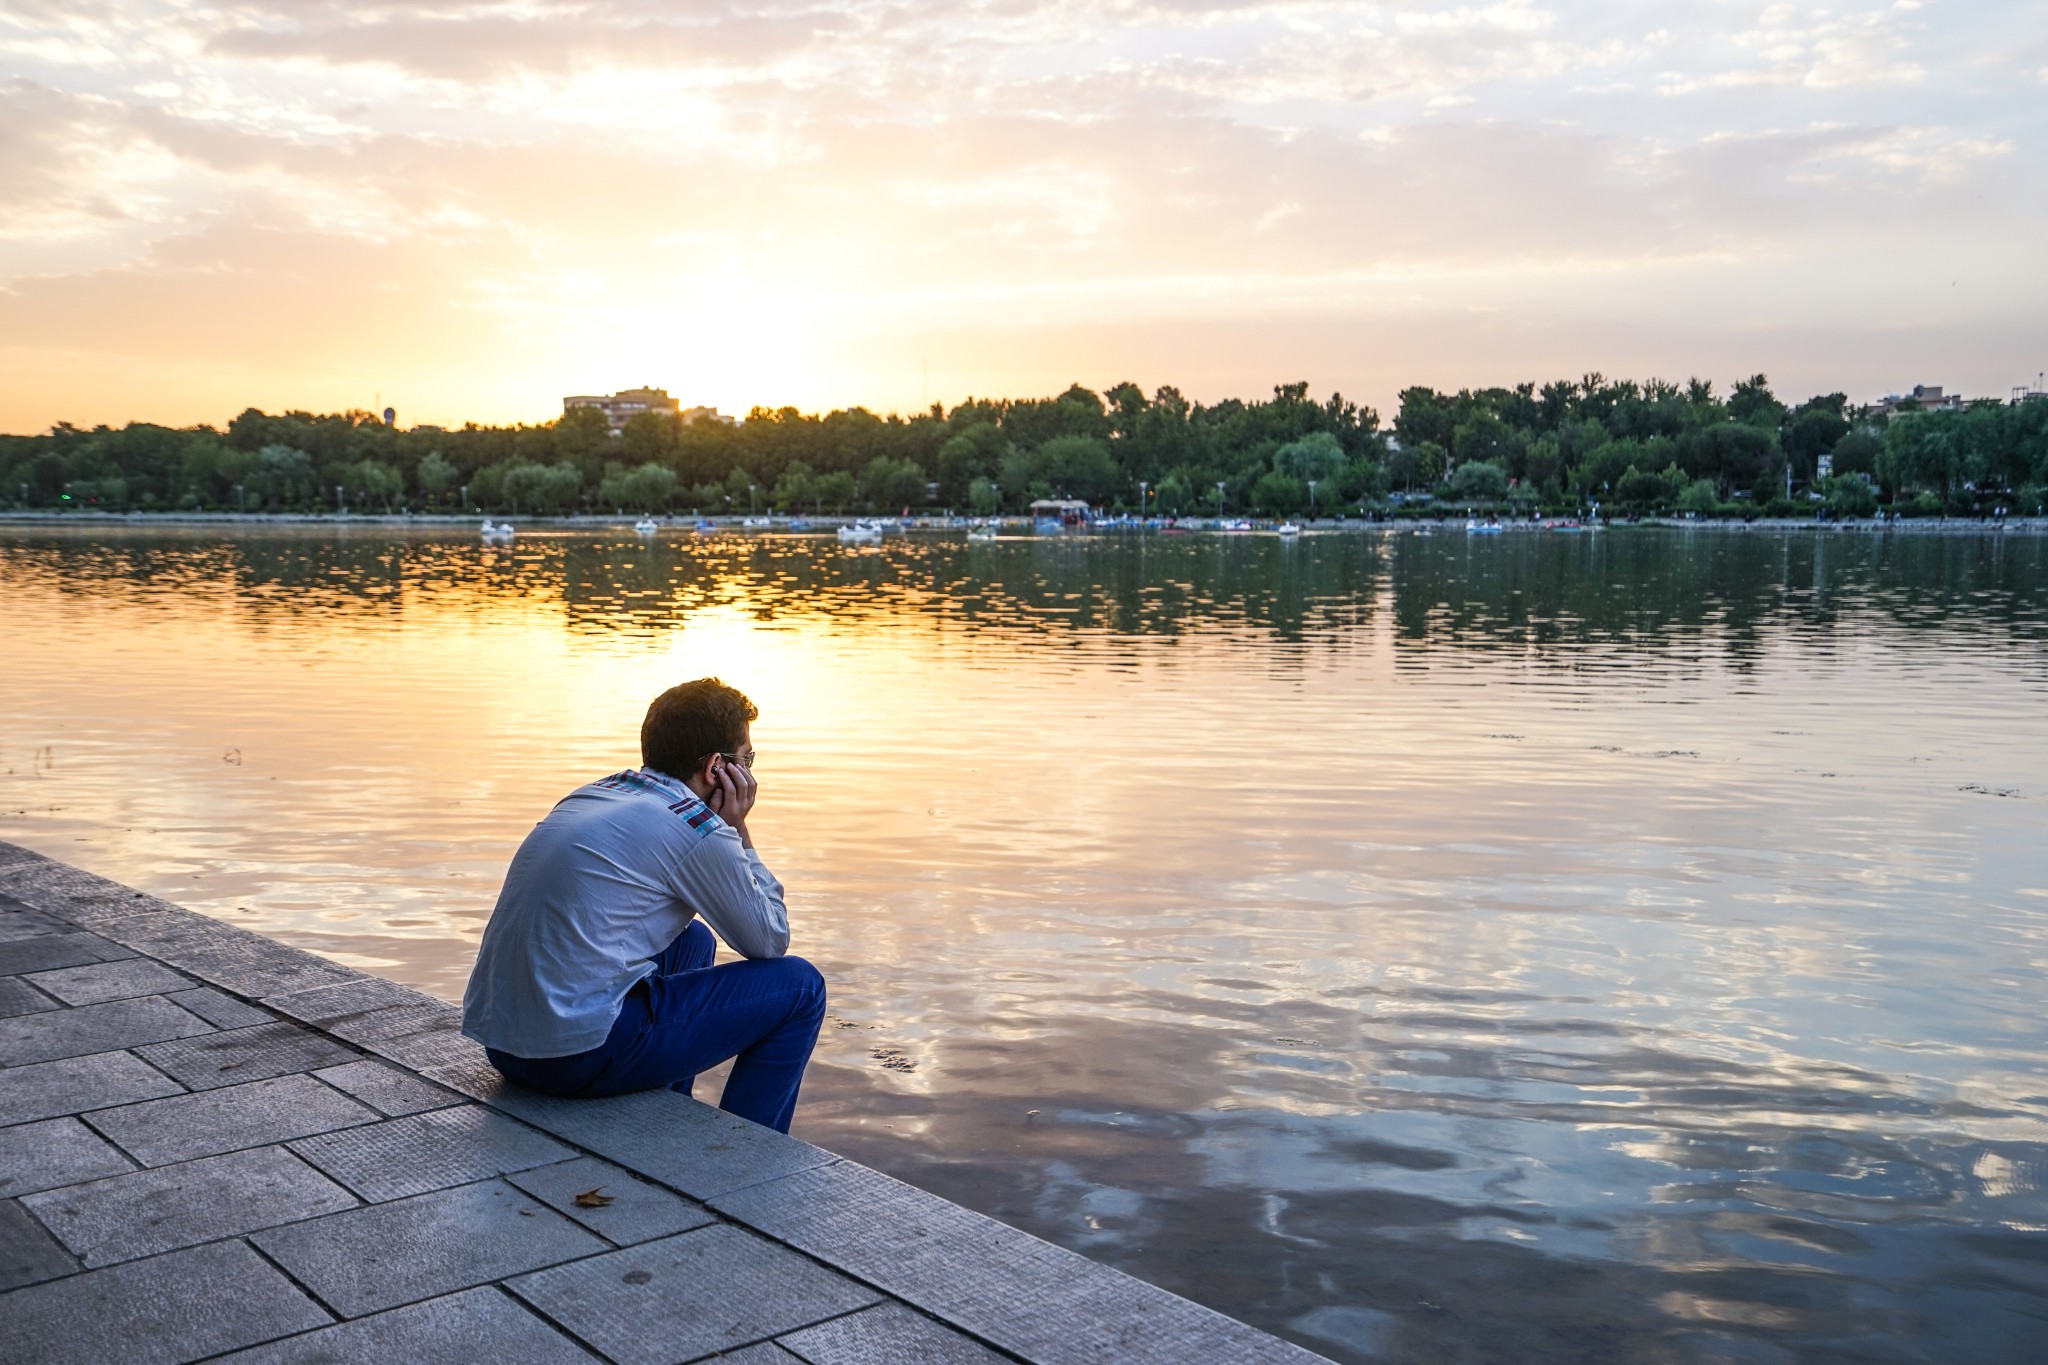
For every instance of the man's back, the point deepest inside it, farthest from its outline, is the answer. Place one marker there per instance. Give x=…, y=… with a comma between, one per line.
x=611, y=877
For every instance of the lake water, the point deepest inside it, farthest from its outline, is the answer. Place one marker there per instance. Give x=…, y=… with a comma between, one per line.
x=1527, y=948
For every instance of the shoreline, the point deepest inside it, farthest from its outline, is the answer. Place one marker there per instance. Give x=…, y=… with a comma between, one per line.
x=190, y=1106
x=939, y=523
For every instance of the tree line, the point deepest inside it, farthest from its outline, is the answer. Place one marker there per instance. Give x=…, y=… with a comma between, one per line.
x=1564, y=446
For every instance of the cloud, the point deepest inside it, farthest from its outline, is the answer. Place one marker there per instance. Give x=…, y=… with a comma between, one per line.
x=545, y=181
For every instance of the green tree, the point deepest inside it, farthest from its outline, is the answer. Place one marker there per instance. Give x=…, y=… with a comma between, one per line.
x=283, y=479
x=1075, y=467
x=545, y=489
x=835, y=490
x=1418, y=466
x=1813, y=431
x=649, y=437
x=1751, y=402
x=1277, y=494
x=1319, y=456
x=1485, y=437
x=583, y=436
x=796, y=489
x=888, y=485
x=984, y=497
x=972, y=453
x=1646, y=492
x=1849, y=496
x=1857, y=452
x=435, y=476
x=1700, y=498
x=741, y=490
x=1478, y=481
x=650, y=488
x=373, y=483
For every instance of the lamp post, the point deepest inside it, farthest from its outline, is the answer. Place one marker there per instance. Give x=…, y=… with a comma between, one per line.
x=1311, y=499
x=242, y=499
x=750, y=498
x=1219, y=499
x=339, y=505
x=1142, y=486
x=465, y=500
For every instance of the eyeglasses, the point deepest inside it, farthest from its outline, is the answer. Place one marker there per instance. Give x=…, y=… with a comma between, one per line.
x=746, y=760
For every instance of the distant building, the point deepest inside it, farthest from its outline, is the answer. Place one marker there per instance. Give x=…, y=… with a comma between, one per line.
x=622, y=407
x=1923, y=398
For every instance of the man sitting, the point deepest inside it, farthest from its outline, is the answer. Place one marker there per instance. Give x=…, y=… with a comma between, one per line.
x=594, y=976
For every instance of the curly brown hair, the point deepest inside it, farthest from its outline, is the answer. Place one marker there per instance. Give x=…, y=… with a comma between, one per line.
x=692, y=721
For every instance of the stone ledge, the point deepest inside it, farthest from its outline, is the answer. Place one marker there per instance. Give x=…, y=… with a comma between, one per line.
x=856, y=1268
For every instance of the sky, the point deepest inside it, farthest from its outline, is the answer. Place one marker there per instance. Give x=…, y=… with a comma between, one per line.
x=466, y=210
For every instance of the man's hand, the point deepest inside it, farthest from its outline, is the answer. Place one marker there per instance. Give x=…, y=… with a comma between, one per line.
x=733, y=789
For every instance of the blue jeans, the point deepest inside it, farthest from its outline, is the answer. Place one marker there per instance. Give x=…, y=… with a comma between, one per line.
x=690, y=1016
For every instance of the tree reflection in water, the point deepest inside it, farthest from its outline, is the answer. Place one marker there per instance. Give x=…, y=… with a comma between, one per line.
x=1537, y=948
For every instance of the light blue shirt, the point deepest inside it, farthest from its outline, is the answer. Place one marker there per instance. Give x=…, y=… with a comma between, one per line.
x=605, y=882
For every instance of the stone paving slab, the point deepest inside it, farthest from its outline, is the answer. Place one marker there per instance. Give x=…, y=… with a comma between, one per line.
x=89, y=985
x=766, y=1353
x=54, y=1034
x=210, y=1122
x=151, y=1211
x=387, y=1089
x=1045, y=1303
x=888, y=1334
x=28, y=1255
x=836, y=1264
x=54, y=1153
x=457, y=1330
x=169, y=1309
x=17, y=921
x=385, y=1255
x=221, y=1011
x=248, y=1054
x=686, y=1145
x=76, y=1084
x=636, y=1211
x=430, y=1151
x=223, y=955
x=325, y=1006
x=422, y=1037
x=46, y=951
x=18, y=997
x=689, y=1296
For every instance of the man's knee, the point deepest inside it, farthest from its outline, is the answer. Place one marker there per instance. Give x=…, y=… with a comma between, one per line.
x=806, y=980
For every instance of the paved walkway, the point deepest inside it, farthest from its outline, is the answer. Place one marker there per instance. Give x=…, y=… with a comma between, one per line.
x=216, y=1146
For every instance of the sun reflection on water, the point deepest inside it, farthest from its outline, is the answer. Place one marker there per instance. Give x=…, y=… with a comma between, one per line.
x=1424, y=948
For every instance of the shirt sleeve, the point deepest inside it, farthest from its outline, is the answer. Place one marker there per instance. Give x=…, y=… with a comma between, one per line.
x=727, y=883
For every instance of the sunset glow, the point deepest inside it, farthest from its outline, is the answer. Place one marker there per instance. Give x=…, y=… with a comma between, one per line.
x=467, y=210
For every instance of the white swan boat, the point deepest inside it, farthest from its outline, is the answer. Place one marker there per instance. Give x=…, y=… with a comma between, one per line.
x=861, y=533
x=500, y=533
x=646, y=526
x=1288, y=528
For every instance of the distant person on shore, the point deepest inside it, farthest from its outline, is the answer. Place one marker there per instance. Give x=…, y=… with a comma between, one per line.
x=594, y=976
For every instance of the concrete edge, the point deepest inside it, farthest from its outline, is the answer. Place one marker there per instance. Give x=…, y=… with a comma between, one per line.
x=995, y=1283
